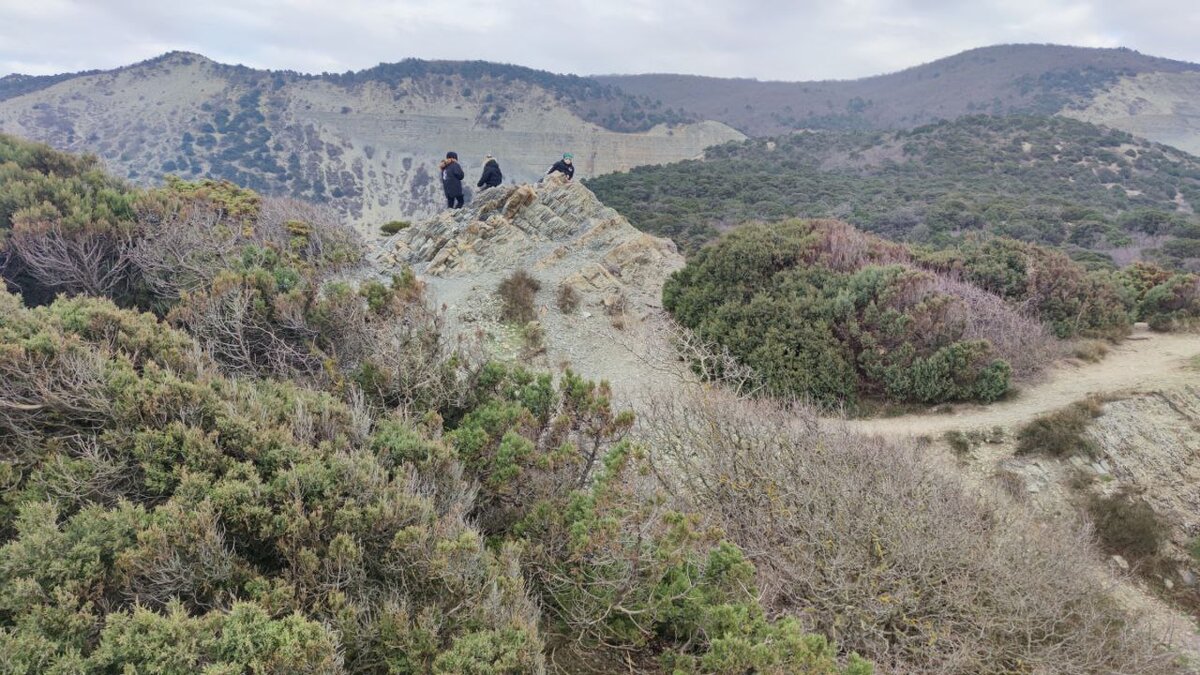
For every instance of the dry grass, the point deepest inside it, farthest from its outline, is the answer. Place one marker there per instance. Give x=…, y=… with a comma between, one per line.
x=1092, y=351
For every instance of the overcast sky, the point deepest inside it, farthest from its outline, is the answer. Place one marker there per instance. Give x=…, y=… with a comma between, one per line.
x=767, y=39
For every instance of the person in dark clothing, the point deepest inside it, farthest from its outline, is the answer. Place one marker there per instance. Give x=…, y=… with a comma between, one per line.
x=564, y=166
x=452, y=178
x=491, y=176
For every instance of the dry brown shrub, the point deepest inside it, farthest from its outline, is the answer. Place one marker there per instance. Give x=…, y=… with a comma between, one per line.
x=315, y=232
x=1025, y=343
x=182, y=247
x=1092, y=351
x=79, y=260
x=567, y=298
x=844, y=248
x=517, y=293
x=183, y=244
x=867, y=542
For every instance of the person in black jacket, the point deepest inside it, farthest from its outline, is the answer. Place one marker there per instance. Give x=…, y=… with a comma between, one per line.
x=491, y=176
x=452, y=178
x=564, y=166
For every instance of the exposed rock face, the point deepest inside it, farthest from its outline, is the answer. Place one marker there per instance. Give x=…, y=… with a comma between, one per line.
x=1151, y=443
x=370, y=147
x=1163, y=107
x=563, y=236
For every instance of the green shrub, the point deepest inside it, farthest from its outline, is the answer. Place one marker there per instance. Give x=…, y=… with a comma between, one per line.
x=157, y=481
x=1060, y=433
x=814, y=308
x=517, y=292
x=394, y=226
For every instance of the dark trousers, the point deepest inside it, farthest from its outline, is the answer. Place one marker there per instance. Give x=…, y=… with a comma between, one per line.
x=454, y=202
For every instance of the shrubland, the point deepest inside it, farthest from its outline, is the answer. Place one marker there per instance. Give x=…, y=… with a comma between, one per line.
x=162, y=515
x=822, y=311
x=239, y=458
x=1100, y=194
x=869, y=542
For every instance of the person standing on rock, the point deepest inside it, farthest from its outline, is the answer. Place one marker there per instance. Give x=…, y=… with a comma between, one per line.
x=564, y=166
x=452, y=178
x=491, y=176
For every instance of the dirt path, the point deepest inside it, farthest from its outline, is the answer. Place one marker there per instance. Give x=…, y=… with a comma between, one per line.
x=1144, y=360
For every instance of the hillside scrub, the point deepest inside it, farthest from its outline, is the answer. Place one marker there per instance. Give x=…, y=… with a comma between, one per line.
x=823, y=312
x=867, y=541
x=254, y=279
x=1044, y=283
x=1125, y=524
x=160, y=515
x=1162, y=299
x=1046, y=180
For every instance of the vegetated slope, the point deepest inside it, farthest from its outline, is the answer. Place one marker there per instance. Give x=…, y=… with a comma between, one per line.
x=1051, y=180
x=1001, y=80
x=367, y=143
x=305, y=474
x=308, y=474
x=1111, y=442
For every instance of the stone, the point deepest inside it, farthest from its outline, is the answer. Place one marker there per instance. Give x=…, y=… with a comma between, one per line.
x=1186, y=577
x=1121, y=563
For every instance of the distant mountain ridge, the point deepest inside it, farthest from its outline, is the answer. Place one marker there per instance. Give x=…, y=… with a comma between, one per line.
x=367, y=143
x=1003, y=79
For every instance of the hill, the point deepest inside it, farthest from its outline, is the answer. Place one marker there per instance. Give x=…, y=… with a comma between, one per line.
x=365, y=142
x=1109, y=196
x=1004, y=79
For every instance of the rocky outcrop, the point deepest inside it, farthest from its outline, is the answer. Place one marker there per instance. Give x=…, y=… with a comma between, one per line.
x=564, y=237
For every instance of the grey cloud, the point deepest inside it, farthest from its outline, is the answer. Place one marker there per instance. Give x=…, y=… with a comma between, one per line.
x=768, y=39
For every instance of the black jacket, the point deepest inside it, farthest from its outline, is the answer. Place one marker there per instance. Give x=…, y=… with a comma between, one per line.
x=452, y=178
x=491, y=175
x=562, y=167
